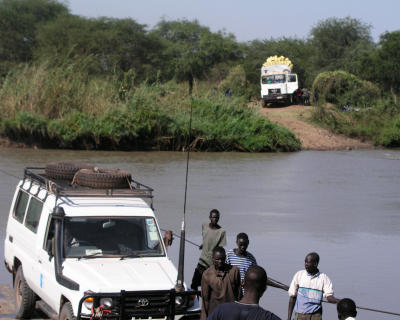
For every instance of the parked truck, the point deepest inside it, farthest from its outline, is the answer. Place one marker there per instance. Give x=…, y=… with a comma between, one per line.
x=278, y=83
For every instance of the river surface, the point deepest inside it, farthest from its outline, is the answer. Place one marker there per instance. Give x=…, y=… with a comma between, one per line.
x=345, y=205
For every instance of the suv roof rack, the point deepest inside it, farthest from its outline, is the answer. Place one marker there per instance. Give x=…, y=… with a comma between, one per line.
x=64, y=188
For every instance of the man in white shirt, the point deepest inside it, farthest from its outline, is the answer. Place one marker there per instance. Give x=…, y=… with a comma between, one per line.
x=307, y=290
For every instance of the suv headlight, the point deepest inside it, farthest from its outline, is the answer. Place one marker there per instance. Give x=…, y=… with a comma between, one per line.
x=179, y=301
x=106, y=302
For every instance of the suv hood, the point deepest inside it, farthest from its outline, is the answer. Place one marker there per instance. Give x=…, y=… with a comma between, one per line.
x=114, y=275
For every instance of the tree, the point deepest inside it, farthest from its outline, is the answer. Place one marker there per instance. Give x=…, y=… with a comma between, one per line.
x=381, y=65
x=334, y=41
x=192, y=49
x=116, y=44
x=19, y=20
x=388, y=65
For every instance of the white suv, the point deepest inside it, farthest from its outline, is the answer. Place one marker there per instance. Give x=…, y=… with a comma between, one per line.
x=82, y=252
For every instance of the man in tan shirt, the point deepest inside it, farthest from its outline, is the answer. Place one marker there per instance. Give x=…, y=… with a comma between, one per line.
x=213, y=236
x=220, y=283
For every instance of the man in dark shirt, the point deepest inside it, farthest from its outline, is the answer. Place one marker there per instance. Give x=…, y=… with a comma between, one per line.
x=255, y=284
x=220, y=283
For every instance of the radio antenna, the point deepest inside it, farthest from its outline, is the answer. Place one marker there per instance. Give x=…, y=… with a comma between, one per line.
x=179, y=281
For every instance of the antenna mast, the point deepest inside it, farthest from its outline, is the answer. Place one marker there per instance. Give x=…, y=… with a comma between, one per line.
x=179, y=281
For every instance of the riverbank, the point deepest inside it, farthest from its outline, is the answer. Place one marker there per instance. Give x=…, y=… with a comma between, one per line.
x=55, y=107
x=297, y=118
x=7, y=143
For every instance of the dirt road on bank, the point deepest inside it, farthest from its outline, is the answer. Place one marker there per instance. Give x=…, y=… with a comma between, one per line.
x=297, y=119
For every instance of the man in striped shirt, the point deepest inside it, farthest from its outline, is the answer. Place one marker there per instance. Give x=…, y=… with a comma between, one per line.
x=240, y=257
x=243, y=260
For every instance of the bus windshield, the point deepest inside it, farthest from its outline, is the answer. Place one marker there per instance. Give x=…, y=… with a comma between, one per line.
x=274, y=78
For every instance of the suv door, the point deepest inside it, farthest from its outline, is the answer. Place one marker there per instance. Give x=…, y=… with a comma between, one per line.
x=49, y=289
x=32, y=237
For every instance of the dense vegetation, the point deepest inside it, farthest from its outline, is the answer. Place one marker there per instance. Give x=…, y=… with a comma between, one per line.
x=75, y=82
x=62, y=107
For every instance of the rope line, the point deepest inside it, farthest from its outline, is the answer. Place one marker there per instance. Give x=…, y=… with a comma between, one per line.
x=9, y=174
x=196, y=245
x=358, y=307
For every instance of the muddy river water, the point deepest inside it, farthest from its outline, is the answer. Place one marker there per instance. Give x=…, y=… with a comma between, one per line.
x=345, y=205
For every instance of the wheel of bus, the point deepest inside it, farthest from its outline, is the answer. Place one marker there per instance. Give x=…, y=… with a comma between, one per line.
x=66, y=312
x=264, y=104
x=24, y=296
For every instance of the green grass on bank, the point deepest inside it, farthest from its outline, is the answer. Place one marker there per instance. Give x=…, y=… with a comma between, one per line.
x=356, y=108
x=62, y=107
x=379, y=123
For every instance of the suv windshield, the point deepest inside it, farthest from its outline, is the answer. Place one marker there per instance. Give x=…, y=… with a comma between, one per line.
x=92, y=237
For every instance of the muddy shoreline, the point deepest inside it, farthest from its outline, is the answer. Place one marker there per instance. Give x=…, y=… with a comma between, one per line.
x=297, y=119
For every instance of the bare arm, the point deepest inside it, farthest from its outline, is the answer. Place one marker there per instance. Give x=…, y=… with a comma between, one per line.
x=292, y=302
x=332, y=299
x=276, y=284
x=238, y=293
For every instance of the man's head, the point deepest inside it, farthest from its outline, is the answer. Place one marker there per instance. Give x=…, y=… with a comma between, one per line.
x=219, y=257
x=255, y=280
x=214, y=217
x=346, y=308
x=311, y=262
x=242, y=241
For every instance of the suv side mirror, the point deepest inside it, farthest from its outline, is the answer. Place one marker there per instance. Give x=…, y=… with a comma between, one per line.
x=168, y=238
x=50, y=247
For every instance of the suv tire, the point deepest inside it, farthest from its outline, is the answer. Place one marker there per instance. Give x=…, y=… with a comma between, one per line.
x=65, y=170
x=103, y=178
x=24, y=296
x=66, y=312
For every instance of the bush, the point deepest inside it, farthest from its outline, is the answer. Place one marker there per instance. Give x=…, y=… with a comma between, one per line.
x=379, y=123
x=341, y=88
x=391, y=134
x=235, y=81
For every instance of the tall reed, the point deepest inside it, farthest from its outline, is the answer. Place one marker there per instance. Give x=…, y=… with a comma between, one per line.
x=60, y=105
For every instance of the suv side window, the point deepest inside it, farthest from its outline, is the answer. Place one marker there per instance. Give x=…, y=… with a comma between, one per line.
x=20, y=207
x=33, y=214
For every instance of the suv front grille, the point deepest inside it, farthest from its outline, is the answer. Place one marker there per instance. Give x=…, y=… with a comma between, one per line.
x=145, y=304
x=142, y=304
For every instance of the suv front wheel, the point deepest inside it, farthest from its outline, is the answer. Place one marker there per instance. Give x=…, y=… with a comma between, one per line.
x=24, y=296
x=67, y=312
